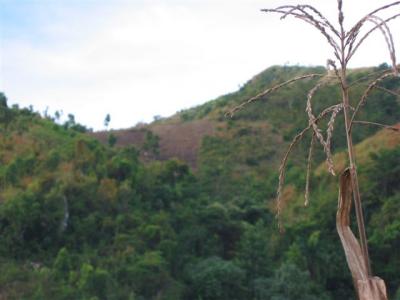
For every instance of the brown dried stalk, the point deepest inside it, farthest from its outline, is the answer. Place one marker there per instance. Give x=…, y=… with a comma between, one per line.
x=331, y=123
x=387, y=34
x=268, y=91
x=352, y=39
x=317, y=131
x=344, y=45
x=367, y=77
x=356, y=28
x=393, y=93
x=318, y=21
x=377, y=124
x=309, y=168
x=351, y=36
x=282, y=168
x=367, y=91
x=368, y=288
x=295, y=141
x=331, y=63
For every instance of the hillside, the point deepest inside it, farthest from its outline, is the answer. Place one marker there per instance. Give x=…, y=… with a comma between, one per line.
x=84, y=219
x=253, y=141
x=176, y=139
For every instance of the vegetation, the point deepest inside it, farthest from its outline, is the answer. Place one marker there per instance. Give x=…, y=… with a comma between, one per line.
x=344, y=44
x=83, y=220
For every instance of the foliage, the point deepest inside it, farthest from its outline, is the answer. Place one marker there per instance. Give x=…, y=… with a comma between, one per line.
x=214, y=278
x=82, y=220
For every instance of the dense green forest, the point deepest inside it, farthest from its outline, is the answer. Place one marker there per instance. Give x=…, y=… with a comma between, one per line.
x=80, y=219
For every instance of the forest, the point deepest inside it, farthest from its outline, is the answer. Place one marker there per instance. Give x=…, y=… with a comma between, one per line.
x=86, y=219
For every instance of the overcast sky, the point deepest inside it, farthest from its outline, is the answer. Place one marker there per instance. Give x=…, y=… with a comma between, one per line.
x=140, y=58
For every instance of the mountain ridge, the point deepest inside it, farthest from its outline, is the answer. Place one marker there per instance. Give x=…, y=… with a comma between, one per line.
x=193, y=124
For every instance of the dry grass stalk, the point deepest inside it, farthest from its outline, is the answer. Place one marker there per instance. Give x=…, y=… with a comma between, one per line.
x=311, y=15
x=368, y=288
x=309, y=169
x=329, y=131
x=285, y=158
x=384, y=28
x=349, y=44
x=367, y=91
x=393, y=93
x=270, y=90
x=351, y=36
x=386, y=33
x=282, y=168
x=317, y=131
x=344, y=45
x=377, y=124
x=367, y=77
x=331, y=63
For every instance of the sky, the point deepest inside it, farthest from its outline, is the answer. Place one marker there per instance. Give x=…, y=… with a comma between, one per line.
x=139, y=59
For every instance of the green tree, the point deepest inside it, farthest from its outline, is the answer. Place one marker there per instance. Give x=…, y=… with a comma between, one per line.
x=5, y=112
x=95, y=282
x=107, y=120
x=289, y=283
x=216, y=279
x=62, y=264
x=151, y=143
x=112, y=140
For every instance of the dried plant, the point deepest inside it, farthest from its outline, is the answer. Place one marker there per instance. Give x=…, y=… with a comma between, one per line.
x=344, y=45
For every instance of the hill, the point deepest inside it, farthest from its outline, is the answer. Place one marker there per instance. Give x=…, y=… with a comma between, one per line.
x=252, y=142
x=81, y=219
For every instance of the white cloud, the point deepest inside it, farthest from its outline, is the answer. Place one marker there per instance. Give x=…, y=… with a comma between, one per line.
x=135, y=60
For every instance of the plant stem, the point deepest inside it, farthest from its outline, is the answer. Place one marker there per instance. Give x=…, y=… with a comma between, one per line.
x=350, y=147
x=354, y=177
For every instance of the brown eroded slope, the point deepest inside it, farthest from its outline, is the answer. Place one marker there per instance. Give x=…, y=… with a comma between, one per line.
x=180, y=140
